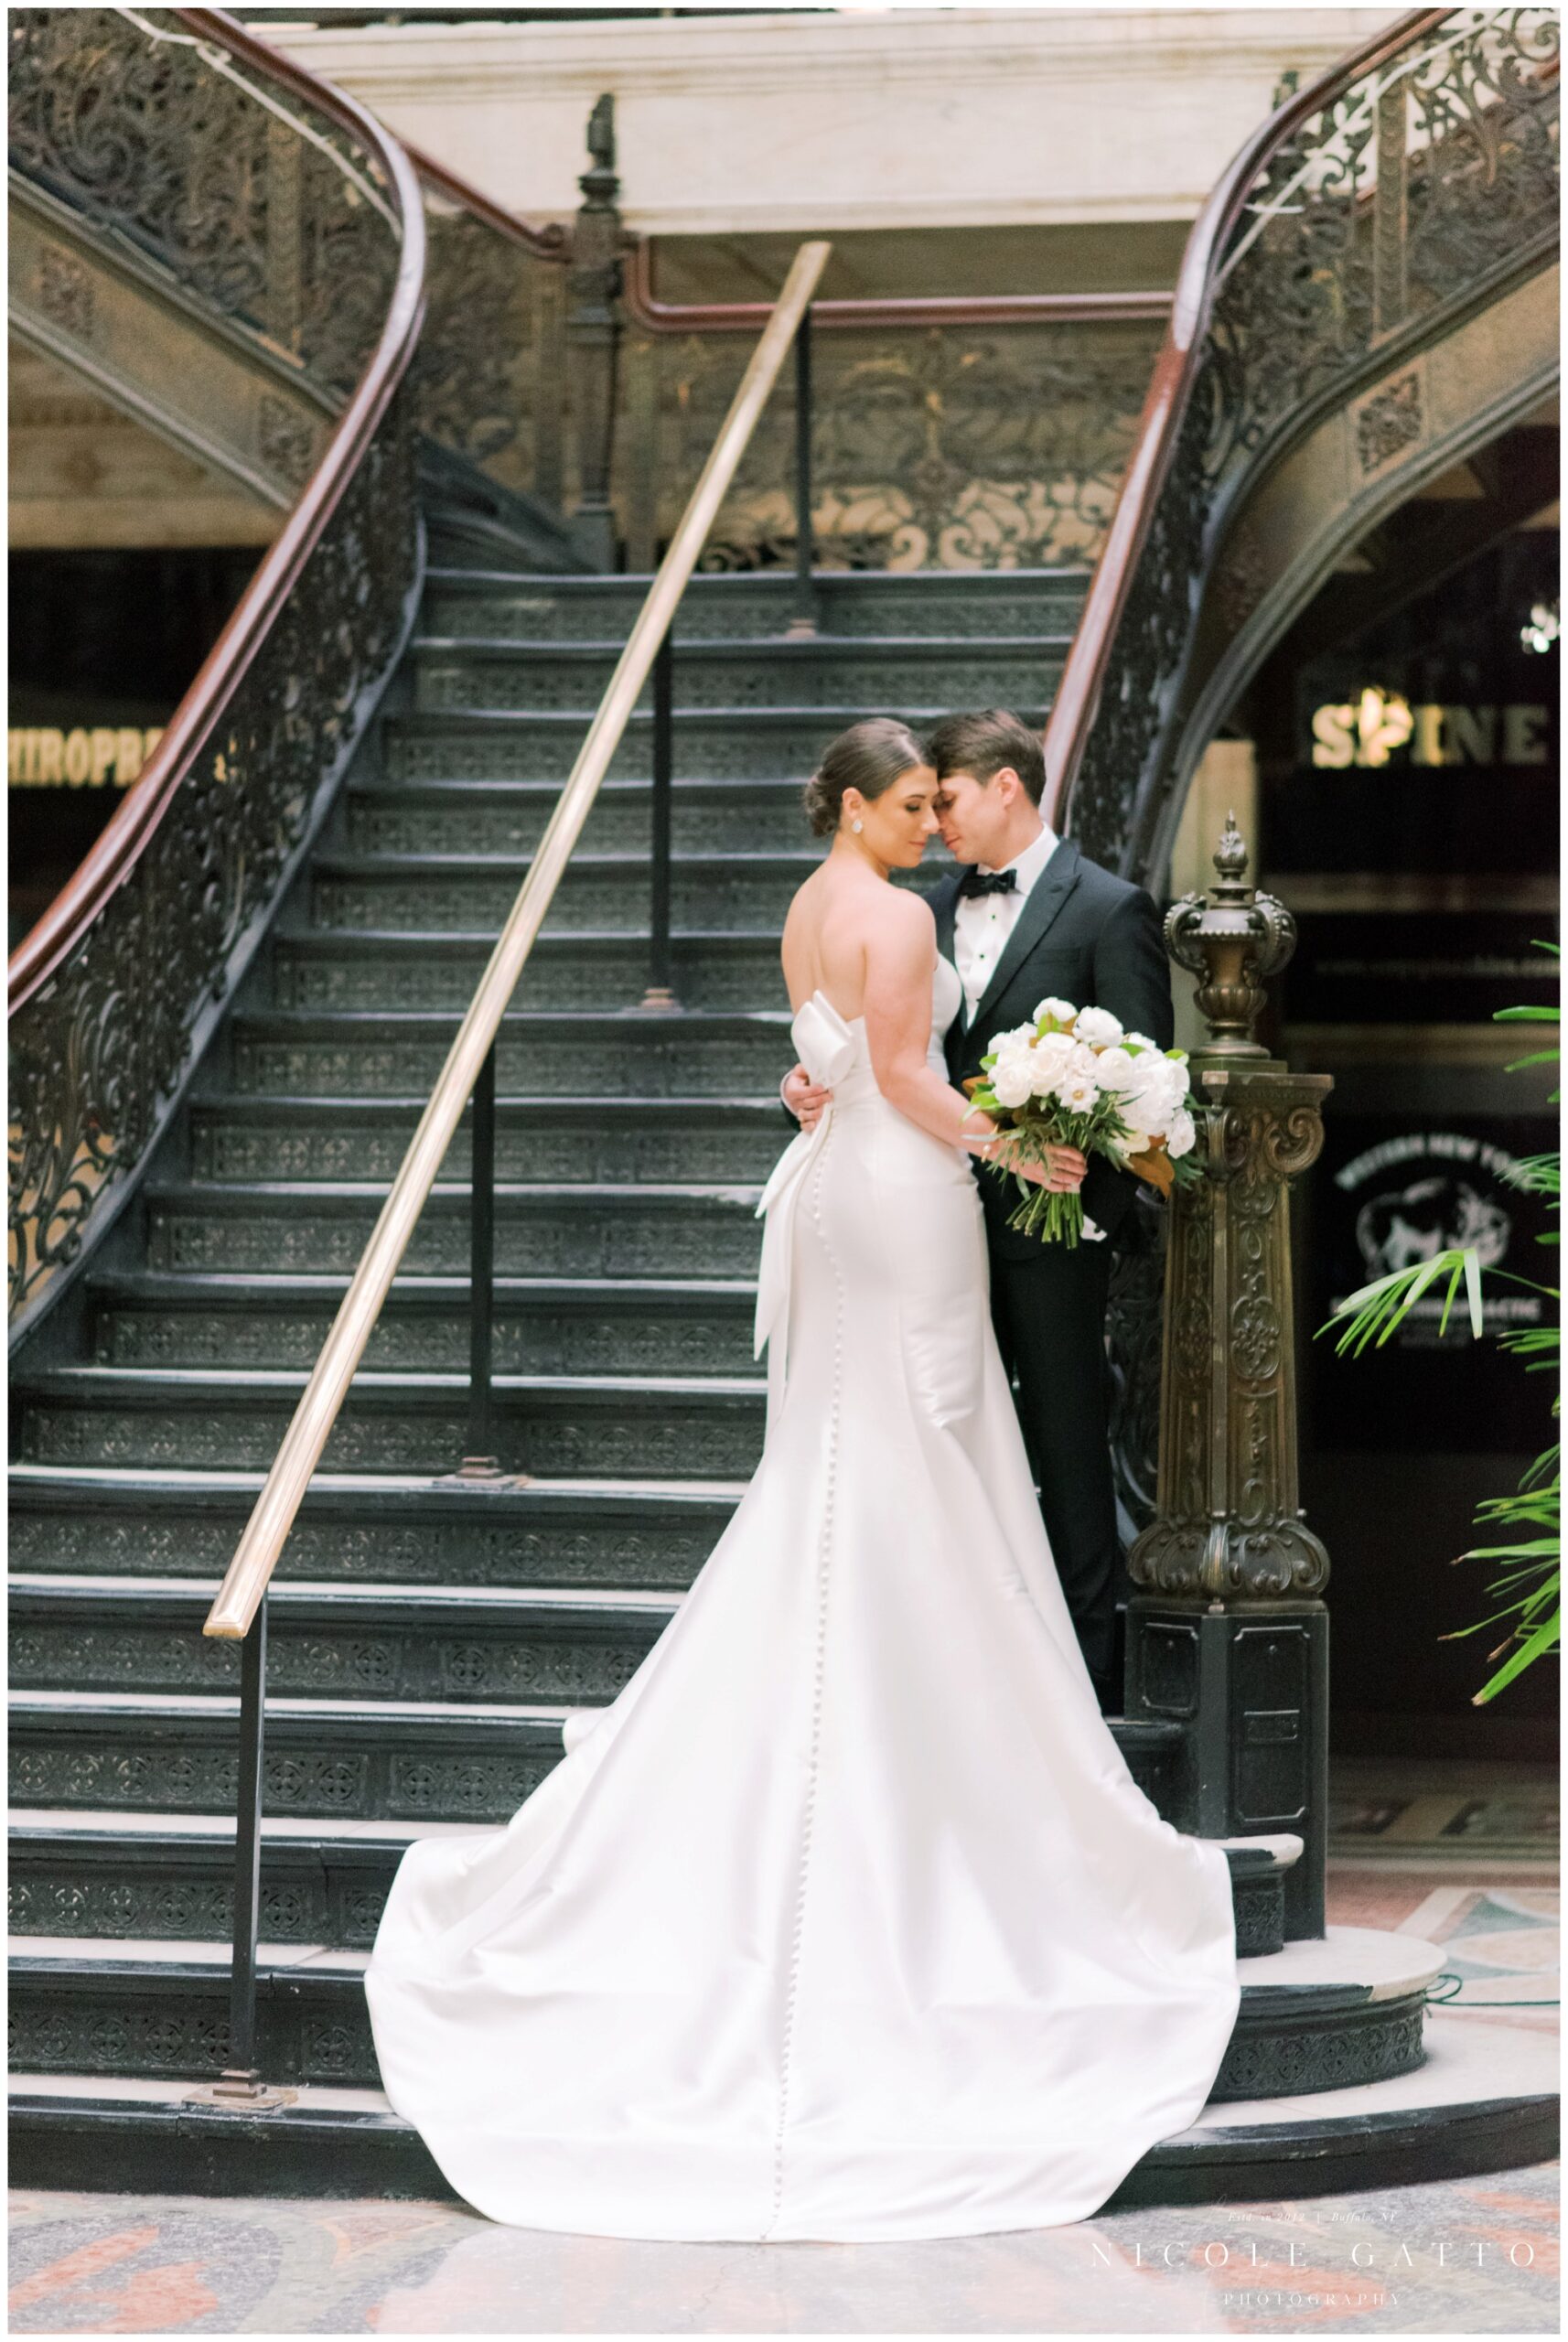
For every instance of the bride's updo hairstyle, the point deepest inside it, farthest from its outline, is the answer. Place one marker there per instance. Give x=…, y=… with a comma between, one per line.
x=869, y=757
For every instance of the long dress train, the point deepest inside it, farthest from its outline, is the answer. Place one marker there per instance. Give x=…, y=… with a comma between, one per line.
x=846, y=1921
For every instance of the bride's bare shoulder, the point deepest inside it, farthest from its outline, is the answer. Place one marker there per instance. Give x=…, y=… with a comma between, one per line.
x=897, y=915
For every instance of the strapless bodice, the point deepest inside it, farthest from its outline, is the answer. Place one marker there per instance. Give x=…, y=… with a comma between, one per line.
x=834, y=1050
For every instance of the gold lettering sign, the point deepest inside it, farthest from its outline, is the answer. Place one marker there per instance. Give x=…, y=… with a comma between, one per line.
x=1368, y=730
x=90, y=757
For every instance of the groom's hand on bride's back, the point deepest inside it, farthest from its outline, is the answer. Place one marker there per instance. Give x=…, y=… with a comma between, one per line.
x=804, y=1098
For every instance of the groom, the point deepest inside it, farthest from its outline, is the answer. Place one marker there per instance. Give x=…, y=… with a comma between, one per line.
x=1030, y=917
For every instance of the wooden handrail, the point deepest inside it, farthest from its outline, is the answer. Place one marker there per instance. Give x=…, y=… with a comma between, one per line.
x=124, y=838
x=644, y=308
x=1078, y=694
x=255, y=1557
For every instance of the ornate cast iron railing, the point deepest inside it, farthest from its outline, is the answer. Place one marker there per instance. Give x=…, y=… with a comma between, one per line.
x=980, y=433
x=490, y=380
x=284, y=206
x=1410, y=184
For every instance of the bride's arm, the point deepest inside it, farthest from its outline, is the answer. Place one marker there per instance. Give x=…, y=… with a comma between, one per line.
x=900, y=950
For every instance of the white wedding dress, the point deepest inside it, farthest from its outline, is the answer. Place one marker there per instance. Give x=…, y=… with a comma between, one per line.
x=846, y=1919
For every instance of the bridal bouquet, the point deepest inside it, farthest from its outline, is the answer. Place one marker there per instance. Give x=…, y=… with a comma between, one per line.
x=1072, y=1077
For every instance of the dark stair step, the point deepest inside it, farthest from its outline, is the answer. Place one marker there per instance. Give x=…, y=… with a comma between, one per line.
x=709, y=744
x=542, y=1325
x=86, y=2013
x=602, y=893
x=288, y=1227
x=509, y=817
x=576, y=1142
x=89, y=1878
x=361, y=1531
x=321, y=1883
x=967, y=605
x=558, y=1426
x=327, y=969
x=335, y=1760
x=466, y=671
x=367, y=1053
x=370, y=1643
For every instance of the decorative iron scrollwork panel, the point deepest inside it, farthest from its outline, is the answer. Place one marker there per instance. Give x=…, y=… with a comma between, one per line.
x=941, y=447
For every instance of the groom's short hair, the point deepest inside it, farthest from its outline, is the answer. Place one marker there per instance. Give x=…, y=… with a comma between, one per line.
x=982, y=743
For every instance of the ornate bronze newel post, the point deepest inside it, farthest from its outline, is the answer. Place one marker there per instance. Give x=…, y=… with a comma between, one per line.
x=1227, y=1628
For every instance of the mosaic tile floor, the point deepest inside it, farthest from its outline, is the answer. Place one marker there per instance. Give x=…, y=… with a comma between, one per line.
x=1443, y=1810
x=1462, y=2257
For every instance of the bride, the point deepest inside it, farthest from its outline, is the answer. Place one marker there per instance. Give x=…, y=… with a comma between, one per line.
x=845, y=1919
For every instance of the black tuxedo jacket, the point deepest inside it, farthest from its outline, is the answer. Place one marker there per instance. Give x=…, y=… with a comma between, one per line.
x=1090, y=938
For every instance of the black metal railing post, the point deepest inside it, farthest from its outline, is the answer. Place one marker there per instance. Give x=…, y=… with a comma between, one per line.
x=479, y=1460
x=660, y=989
x=804, y=618
x=242, y=2078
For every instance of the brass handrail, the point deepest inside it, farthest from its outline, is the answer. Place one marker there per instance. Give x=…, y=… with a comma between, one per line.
x=256, y=1554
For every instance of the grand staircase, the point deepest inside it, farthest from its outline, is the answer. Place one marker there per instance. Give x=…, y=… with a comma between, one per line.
x=428, y=1636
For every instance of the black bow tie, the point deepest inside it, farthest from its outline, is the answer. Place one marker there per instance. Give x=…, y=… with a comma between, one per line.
x=996, y=882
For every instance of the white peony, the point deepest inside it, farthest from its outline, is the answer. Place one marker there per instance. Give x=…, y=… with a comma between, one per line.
x=1060, y=1012
x=1182, y=1134
x=1115, y=1070
x=1013, y=1078
x=1155, y=1091
x=1099, y=1027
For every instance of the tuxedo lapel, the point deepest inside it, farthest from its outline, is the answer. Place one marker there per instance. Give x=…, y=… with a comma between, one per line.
x=1045, y=898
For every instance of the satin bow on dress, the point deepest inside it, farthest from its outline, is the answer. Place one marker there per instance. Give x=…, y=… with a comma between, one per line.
x=824, y=1044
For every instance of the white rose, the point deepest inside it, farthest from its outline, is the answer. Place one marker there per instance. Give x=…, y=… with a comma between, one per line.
x=1115, y=1070
x=1085, y=1062
x=1183, y=1132
x=1099, y=1027
x=1060, y=1012
x=1140, y=1041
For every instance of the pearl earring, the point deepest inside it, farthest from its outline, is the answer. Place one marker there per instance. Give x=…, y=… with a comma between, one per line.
x=857, y=825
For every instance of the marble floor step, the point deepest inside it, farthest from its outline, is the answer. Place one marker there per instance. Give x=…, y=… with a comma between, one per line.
x=381, y=1529
x=572, y=1141
x=604, y=893
x=585, y=1426
x=467, y=671
x=368, y=1053
x=583, y=1228
x=366, y=1642
x=542, y=1325
x=401, y=968
x=509, y=817
x=465, y=599
x=710, y=744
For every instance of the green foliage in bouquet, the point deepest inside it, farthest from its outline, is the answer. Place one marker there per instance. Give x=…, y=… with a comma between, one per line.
x=1532, y=1577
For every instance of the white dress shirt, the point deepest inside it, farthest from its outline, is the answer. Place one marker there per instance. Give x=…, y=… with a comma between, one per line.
x=982, y=923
